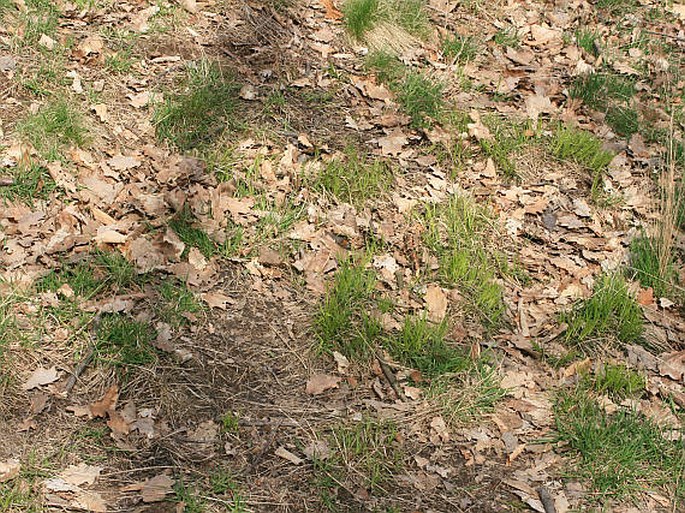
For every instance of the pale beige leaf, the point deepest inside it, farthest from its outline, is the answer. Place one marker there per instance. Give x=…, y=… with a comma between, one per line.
x=9, y=469
x=156, y=488
x=436, y=303
x=319, y=383
x=80, y=474
x=284, y=453
x=41, y=376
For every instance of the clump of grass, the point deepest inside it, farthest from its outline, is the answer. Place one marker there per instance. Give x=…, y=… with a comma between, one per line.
x=422, y=346
x=40, y=17
x=618, y=381
x=222, y=483
x=360, y=16
x=177, y=303
x=353, y=178
x=609, y=93
x=508, y=139
x=466, y=396
x=647, y=267
x=186, y=227
x=507, y=37
x=583, y=148
x=620, y=454
x=343, y=322
x=588, y=40
x=230, y=422
x=200, y=110
x=652, y=257
x=610, y=313
x=419, y=95
x=460, y=48
x=457, y=233
x=29, y=182
x=55, y=127
x=363, y=15
x=88, y=277
x=125, y=341
x=371, y=448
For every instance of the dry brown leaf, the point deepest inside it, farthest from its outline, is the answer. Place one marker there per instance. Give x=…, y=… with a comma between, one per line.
x=122, y=162
x=341, y=361
x=319, y=383
x=41, y=376
x=284, y=453
x=538, y=104
x=156, y=488
x=80, y=474
x=107, y=403
x=673, y=365
x=9, y=469
x=217, y=300
x=436, y=303
x=332, y=13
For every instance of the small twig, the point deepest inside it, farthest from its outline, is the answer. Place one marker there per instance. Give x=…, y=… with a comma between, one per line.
x=389, y=376
x=669, y=36
x=260, y=455
x=79, y=370
x=85, y=361
x=547, y=500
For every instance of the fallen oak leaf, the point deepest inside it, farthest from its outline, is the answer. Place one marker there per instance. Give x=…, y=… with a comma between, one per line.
x=319, y=383
x=80, y=474
x=154, y=489
x=41, y=376
x=106, y=404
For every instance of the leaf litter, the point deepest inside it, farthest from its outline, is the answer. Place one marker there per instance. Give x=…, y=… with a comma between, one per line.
x=261, y=249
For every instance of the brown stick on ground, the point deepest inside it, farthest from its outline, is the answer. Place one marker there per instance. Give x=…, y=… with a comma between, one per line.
x=547, y=500
x=389, y=376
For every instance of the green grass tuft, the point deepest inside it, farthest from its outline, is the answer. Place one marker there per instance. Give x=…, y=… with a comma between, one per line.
x=422, y=346
x=125, y=341
x=354, y=179
x=360, y=16
x=646, y=267
x=620, y=454
x=610, y=313
x=611, y=94
x=618, y=381
x=419, y=95
x=461, y=49
x=583, y=148
x=29, y=182
x=177, y=303
x=186, y=227
x=200, y=109
x=55, y=127
x=343, y=322
x=370, y=448
x=457, y=232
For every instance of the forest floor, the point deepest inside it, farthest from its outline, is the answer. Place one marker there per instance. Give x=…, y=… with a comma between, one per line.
x=300, y=255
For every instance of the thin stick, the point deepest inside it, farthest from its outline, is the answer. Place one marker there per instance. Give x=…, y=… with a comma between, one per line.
x=389, y=376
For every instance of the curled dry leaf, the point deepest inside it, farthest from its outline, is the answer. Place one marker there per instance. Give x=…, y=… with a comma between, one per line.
x=319, y=383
